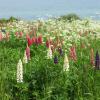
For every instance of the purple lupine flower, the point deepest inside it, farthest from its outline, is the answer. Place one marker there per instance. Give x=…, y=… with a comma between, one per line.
x=55, y=59
x=97, y=61
x=3, y=30
x=60, y=51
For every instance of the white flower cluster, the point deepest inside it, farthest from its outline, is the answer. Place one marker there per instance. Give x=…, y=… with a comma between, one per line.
x=49, y=53
x=25, y=60
x=19, y=72
x=66, y=63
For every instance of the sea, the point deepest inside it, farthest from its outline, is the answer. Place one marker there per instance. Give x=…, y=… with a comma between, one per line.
x=35, y=9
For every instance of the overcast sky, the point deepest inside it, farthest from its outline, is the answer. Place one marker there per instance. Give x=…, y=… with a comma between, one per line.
x=27, y=4
x=42, y=6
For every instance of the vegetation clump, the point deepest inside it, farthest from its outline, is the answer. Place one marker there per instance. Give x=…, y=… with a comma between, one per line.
x=69, y=17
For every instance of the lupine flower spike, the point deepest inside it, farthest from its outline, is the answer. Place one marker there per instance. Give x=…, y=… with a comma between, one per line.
x=40, y=39
x=92, y=57
x=33, y=39
x=16, y=34
x=25, y=60
x=21, y=34
x=73, y=53
x=60, y=51
x=49, y=53
x=97, y=61
x=7, y=36
x=47, y=43
x=28, y=52
x=55, y=59
x=66, y=63
x=29, y=41
x=36, y=40
x=1, y=37
x=20, y=72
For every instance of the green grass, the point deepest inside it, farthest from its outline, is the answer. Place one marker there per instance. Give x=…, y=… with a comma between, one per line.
x=44, y=80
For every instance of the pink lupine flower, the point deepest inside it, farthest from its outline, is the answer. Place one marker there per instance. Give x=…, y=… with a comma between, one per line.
x=36, y=40
x=1, y=37
x=47, y=43
x=28, y=52
x=92, y=57
x=33, y=40
x=73, y=53
x=21, y=34
x=29, y=41
x=40, y=39
x=16, y=34
x=7, y=36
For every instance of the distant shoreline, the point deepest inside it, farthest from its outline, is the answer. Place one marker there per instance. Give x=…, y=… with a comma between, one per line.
x=95, y=16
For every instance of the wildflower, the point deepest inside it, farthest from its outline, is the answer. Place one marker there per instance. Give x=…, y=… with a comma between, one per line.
x=7, y=36
x=55, y=59
x=16, y=34
x=49, y=53
x=20, y=72
x=97, y=61
x=25, y=60
x=3, y=30
x=73, y=53
x=92, y=57
x=47, y=43
x=33, y=40
x=52, y=48
x=21, y=34
x=66, y=63
x=1, y=37
x=40, y=39
x=28, y=52
x=29, y=41
x=36, y=40
x=60, y=51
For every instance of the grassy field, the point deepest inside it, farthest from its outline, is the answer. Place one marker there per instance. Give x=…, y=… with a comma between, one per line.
x=42, y=78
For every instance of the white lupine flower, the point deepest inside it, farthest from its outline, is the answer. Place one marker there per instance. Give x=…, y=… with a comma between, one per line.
x=66, y=63
x=25, y=60
x=19, y=72
x=49, y=53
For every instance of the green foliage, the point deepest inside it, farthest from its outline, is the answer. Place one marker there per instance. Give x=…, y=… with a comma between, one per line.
x=11, y=19
x=69, y=17
x=44, y=80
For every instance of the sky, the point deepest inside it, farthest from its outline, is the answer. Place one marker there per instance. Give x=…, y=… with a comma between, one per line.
x=40, y=7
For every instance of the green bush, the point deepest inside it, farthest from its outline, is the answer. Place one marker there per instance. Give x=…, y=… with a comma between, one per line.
x=69, y=17
x=11, y=19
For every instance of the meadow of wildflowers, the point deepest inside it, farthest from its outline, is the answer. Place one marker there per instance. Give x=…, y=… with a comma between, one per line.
x=50, y=60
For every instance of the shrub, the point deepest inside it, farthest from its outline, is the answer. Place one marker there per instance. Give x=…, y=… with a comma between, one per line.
x=69, y=17
x=11, y=19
